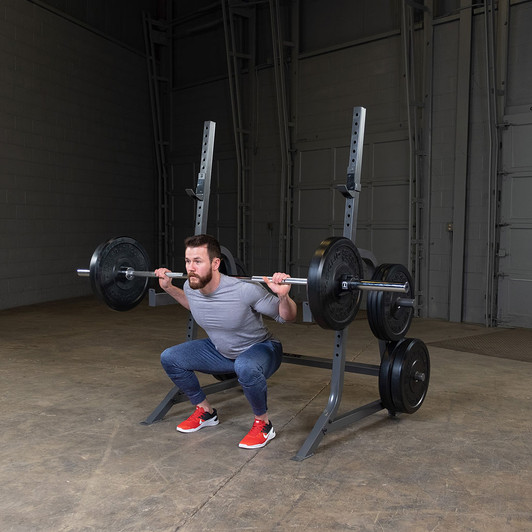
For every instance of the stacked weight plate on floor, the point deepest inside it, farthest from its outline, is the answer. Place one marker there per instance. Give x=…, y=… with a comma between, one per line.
x=405, y=367
x=404, y=375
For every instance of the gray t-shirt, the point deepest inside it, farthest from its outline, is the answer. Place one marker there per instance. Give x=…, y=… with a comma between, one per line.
x=232, y=314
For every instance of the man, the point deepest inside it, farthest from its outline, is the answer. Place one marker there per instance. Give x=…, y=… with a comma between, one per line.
x=230, y=311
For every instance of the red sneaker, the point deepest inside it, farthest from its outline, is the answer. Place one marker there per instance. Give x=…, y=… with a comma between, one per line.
x=259, y=435
x=199, y=419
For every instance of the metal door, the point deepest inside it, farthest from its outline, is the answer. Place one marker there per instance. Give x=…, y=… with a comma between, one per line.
x=515, y=248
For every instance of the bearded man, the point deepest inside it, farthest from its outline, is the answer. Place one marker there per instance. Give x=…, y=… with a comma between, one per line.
x=230, y=312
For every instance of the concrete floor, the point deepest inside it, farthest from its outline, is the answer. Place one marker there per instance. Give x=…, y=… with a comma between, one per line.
x=76, y=380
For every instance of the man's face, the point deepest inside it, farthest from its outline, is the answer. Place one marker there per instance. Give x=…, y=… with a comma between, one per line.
x=199, y=267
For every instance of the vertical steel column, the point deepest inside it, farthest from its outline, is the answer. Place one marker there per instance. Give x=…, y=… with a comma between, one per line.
x=335, y=396
x=501, y=68
x=460, y=162
x=278, y=44
x=236, y=59
x=419, y=110
x=155, y=39
x=293, y=117
x=426, y=149
x=350, y=191
x=406, y=40
x=412, y=105
x=492, y=120
x=169, y=114
x=201, y=195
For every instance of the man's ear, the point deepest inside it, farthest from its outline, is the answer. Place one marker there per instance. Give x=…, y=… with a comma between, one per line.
x=216, y=263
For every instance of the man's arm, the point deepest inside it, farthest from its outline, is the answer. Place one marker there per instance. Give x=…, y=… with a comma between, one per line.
x=165, y=283
x=287, y=306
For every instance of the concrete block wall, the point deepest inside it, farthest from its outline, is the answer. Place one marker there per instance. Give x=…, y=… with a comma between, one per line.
x=76, y=164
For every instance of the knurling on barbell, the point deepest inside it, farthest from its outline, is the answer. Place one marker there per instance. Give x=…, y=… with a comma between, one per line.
x=120, y=269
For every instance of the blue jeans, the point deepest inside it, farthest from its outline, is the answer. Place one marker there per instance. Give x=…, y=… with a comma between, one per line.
x=252, y=367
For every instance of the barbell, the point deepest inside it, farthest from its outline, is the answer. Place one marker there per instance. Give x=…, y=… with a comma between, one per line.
x=119, y=274
x=130, y=273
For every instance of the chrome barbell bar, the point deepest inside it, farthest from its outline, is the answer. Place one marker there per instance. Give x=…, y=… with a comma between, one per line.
x=352, y=284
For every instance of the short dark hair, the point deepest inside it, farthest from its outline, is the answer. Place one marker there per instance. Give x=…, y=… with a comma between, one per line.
x=213, y=246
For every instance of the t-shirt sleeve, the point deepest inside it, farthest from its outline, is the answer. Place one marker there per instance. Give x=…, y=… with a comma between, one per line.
x=262, y=301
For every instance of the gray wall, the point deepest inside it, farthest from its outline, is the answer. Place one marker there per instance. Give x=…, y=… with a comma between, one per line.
x=515, y=250
x=191, y=109
x=76, y=163
x=349, y=78
x=350, y=54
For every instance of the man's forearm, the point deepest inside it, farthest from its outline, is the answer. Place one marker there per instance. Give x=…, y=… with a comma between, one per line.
x=179, y=295
x=287, y=308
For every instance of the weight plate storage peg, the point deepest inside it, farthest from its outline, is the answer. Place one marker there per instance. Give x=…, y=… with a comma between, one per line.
x=410, y=374
x=107, y=273
x=390, y=314
x=335, y=260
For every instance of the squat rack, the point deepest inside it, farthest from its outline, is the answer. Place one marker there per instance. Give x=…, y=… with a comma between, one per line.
x=327, y=422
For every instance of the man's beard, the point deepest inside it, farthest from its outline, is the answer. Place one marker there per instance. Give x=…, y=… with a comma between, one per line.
x=197, y=283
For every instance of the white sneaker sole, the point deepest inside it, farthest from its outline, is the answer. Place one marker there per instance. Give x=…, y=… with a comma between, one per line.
x=271, y=436
x=208, y=423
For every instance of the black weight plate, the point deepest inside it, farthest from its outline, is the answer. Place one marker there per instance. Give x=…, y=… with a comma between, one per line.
x=336, y=259
x=410, y=374
x=397, y=319
x=374, y=302
x=389, y=321
x=385, y=372
x=108, y=262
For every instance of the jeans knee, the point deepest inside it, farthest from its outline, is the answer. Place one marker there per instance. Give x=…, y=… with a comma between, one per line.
x=248, y=373
x=167, y=358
